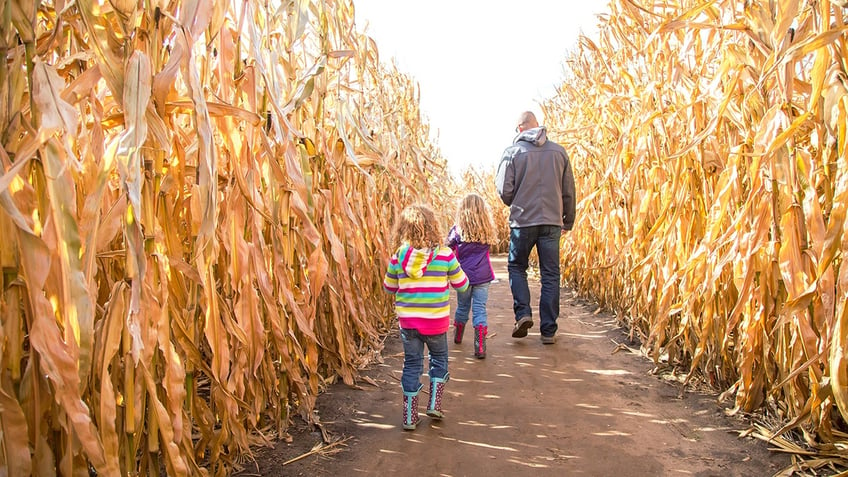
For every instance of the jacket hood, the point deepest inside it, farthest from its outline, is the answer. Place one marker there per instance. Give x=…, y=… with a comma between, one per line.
x=414, y=260
x=537, y=136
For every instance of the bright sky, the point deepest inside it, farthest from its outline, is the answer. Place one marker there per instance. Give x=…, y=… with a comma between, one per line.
x=479, y=63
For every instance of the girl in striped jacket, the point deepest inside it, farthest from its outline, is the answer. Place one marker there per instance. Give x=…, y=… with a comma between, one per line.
x=420, y=275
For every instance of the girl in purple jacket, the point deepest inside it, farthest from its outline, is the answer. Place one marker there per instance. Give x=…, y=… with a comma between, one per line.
x=470, y=239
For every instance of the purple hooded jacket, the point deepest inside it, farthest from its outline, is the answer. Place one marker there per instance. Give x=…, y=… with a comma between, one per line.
x=473, y=258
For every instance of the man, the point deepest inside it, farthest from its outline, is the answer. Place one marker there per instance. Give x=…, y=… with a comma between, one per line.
x=535, y=181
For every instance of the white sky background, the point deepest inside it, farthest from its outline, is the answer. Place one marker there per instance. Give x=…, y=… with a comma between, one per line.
x=478, y=63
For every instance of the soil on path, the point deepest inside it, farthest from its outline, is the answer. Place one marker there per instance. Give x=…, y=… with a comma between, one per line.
x=576, y=407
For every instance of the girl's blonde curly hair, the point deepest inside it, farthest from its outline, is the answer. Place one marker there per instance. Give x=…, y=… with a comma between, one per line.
x=418, y=226
x=474, y=220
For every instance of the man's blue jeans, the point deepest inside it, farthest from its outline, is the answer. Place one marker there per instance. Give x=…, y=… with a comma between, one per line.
x=474, y=299
x=413, y=358
x=521, y=242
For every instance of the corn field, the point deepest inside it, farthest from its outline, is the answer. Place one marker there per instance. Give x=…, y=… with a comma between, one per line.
x=190, y=192
x=195, y=200
x=708, y=141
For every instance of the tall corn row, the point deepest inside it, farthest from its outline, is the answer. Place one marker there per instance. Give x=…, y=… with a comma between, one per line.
x=708, y=141
x=195, y=202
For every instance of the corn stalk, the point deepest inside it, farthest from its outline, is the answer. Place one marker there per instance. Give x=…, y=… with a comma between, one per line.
x=191, y=243
x=708, y=141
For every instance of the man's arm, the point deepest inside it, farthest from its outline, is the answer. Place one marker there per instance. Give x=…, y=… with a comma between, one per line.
x=568, y=196
x=505, y=180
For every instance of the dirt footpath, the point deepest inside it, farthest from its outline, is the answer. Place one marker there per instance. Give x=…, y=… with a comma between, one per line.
x=528, y=409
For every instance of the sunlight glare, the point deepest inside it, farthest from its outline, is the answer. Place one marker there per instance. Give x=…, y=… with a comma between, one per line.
x=482, y=424
x=668, y=421
x=608, y=372
x=481, y=444
x=586, y=337
x=589, y=406
x=528, y=464
x=480, y=381
x=472, y=423
x=637, y=414
x=375, y=425
x=611, y=434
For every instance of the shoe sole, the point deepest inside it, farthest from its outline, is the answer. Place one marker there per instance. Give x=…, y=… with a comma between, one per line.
x=548, y=340
x=521, y=327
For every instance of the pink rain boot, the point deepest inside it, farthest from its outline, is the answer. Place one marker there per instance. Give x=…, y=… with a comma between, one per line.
x=458, y=330
x=480, y=333
x=437, y=389
x=410, y=411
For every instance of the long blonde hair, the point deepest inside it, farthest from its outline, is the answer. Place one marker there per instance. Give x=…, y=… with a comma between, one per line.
x=474, y=220
x=417, y=226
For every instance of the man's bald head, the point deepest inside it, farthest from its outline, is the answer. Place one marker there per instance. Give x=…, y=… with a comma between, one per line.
x=527, y=120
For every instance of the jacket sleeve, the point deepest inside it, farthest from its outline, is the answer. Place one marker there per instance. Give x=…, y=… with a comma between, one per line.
x=505, y=180
x=390, y=281
x=568, y=196
x=453, y=239
x=456, y=276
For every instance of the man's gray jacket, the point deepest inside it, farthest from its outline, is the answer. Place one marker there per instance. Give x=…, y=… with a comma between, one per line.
x=535, y=181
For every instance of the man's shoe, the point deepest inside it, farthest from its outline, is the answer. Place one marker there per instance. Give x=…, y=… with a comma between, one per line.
x=548, y=339
x=521, y=327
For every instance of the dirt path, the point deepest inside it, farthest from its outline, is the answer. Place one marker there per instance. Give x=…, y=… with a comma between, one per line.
x=572, y=408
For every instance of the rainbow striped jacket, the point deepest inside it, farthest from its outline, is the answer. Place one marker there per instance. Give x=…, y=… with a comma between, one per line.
x=421, y=279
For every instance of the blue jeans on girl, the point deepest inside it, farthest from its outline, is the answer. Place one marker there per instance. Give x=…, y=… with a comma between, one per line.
x=413, y=357
x=474, y=299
